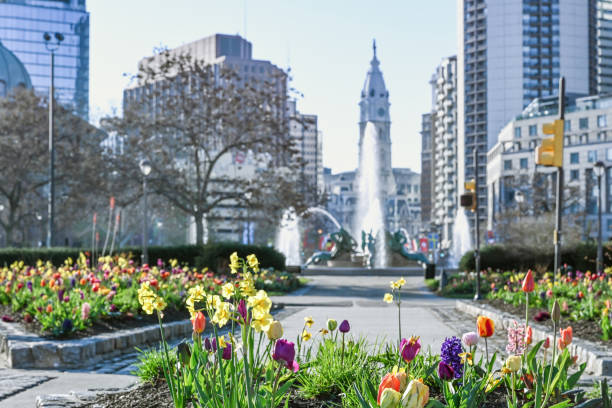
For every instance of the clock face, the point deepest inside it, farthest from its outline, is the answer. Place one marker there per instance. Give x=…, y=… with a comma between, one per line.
x=381, y=112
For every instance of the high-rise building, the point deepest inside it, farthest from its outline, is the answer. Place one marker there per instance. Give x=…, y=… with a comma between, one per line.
x=511, y=52
x=22, y=25
x=600, y=47
x=444, y=150
x=304, y=130
x=426, y=167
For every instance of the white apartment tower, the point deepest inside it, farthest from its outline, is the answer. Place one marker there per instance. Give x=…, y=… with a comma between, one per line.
x=511, y=52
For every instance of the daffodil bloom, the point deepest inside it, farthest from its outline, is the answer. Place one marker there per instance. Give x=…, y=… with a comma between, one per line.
x=227, y=290
x=159, y=303
x=306, y=335
x=260, y=304
x=253, y=262
x=222, y=314
x=393, y=285
x=148, y=307
x=466, y=357
x=262, y=323
x=324, y=332
x=401, y=282
x=309, y=321
x=388, y=298
x=234, y=262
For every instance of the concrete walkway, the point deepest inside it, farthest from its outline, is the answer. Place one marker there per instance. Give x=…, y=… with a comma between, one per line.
x=355, y=298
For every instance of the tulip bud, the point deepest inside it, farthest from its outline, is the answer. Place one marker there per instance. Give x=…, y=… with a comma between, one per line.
x=184, y=353
x=388, y=381
x=546, y=343
x=199, y=322
x=470, y=339
x=513, y=363
x=445, y=371
x=227, y=352
x=389, y=398
x=528, y=335
x=556, y=312
x=416, y=395
x=331, y=324
x=345, y=327
x=528, y=283
x=275, y=331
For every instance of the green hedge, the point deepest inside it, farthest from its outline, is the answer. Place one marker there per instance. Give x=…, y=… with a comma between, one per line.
x=505, y=257
x=215, y=256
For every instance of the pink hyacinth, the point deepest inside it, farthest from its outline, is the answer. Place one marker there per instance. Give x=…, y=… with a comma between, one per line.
x=85, y=309
x=516, y=339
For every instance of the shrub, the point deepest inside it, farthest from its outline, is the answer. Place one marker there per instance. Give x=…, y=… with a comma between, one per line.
x=432, y=284
x=215, y=256
x=505, y=257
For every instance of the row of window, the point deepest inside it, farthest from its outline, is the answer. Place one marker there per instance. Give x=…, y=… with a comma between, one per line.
x=574, y=158
x=583, y=123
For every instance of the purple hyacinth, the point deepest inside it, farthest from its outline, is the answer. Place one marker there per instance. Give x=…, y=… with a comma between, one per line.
x=451, y=348
x=29, y=285
x=227, y=352
x=60, y=294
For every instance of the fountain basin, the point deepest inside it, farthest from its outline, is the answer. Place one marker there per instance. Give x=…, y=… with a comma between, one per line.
x=361, y=271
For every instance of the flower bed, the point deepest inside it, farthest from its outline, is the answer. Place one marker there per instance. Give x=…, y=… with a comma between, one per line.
x=76, y=300
x=256, y=365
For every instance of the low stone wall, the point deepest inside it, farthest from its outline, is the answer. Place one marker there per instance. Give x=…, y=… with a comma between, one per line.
x=597, y=357
x=19, y=349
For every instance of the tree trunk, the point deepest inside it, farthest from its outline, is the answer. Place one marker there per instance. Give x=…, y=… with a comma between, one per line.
x=198, y=218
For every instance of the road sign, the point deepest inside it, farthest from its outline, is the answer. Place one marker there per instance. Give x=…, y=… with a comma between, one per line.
x=424, y=244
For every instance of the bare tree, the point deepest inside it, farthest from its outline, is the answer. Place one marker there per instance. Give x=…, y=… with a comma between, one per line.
x=192, y=121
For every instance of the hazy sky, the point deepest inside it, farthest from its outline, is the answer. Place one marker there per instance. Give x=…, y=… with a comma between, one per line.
x=327, y=43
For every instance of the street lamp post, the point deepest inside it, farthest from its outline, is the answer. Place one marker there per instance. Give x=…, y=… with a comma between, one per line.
x=51, y=46
x=145, y=169
x=599, y=169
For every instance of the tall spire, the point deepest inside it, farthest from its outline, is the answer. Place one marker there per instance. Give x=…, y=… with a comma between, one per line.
x=374, y=47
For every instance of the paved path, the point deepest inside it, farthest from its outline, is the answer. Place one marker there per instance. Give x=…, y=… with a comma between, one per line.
x=357, y=299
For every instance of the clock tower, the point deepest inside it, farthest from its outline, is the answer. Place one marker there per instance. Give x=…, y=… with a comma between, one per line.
x=374, y=107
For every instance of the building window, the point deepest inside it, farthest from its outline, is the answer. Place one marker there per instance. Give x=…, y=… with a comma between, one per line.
x=601, y=121
x=574, y=175
x=523, y=163
x=567, y=126
x=507, y=164
x=583, y=123
x=592, y=156
x=533, y=130
x=574, y=159
x=609, y=154
x=517, y=132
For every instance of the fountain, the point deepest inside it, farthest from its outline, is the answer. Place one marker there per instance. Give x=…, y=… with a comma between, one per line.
x=288, y=238
x=462, y=239
x=369, y=217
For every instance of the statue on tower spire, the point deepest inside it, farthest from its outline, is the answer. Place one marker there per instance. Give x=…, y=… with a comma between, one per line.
x=374, y=47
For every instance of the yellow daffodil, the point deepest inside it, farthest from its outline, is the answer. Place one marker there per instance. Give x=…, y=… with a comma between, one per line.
x=222, y=314
x=227, y=290
x=308, y=321
x=324, y=332
x=159, y=303
x=262, y=323
x=222, y=342
x=466, y=357
x=253, y=262
x=401, y=282
x=306, y=335
x=234, y=262
x=388, y=298
x=148, y=307
x=260, y=304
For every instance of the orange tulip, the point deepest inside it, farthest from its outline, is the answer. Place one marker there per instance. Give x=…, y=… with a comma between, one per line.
x=388, y=381
x=528, y=283
x=49, y=308
x=567, y=335
x=486, y=327
x=529, y=335
x=198, y=322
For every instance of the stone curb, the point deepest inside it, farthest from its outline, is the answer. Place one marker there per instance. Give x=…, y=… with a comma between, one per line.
x=598, y=358
x=77, y=399
x=24, y=350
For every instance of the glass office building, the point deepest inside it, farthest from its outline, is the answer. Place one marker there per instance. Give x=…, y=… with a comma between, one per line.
x=22, y=25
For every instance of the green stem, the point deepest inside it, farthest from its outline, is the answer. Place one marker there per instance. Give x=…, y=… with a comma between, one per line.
x=275, y=387
x=342, y=358
x=552, y=364
x=487, y=349
x=513, y=390
x=247, y=370
x=399, y=316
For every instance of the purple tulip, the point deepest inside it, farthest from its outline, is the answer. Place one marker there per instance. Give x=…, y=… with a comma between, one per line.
x=29, y=285
x=213, y=345
x=73, y=282
x=207, y=344
x=67, y=325
x=113, y=308
x=445, y=371
x=60, y=294
x=82, y=294
x=66, y=299
x=227, y=352
x=345, y=327
x=242, y=309
x=410, y=348
x=284, y=352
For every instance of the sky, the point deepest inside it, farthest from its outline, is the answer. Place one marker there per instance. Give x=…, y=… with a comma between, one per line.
x=327, y=44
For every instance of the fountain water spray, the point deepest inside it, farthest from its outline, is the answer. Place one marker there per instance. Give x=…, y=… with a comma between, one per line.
x=369, y=217
x=462, y=239
x=288, y=238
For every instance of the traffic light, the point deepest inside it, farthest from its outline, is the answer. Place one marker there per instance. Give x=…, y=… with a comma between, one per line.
x=468, y=199
x=550, y=153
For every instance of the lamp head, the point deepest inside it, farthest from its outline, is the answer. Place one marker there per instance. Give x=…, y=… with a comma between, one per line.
x=145, y=167
x=59, y=37
x=47, y=37
x=599, y=168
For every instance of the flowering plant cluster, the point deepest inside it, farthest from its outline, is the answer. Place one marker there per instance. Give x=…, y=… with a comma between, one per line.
x=73, y=296
x=582, y=296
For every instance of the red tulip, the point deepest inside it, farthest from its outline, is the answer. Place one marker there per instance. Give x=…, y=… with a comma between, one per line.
x=567, y=335
x=486, y=326
x=388, y=381
x=528, y=283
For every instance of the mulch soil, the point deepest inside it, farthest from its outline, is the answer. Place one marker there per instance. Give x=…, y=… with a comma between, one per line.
x=584, y=329
x=105, y=325
x=157, y=396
